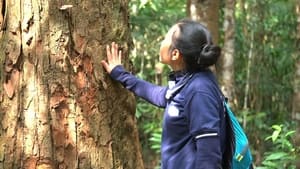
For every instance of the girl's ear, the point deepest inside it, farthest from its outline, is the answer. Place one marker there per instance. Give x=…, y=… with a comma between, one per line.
x=175, y=55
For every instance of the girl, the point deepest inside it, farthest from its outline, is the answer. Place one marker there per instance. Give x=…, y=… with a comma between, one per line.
x=196, y=131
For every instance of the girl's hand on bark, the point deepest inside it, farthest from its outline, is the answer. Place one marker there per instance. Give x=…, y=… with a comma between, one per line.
x=113, y=57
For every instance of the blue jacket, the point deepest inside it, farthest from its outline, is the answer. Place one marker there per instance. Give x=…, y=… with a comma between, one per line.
x=194, y=118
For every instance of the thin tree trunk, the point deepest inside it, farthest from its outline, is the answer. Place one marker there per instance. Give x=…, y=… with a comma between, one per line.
x=58, y=109
x=226, y=62
x=206, y=12
x=248, y=77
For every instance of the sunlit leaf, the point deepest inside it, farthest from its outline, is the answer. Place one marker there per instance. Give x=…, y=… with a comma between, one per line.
x=143, y=3
x=276, y=156
x=290, y=133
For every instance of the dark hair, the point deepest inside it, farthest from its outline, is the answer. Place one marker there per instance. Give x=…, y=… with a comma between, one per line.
x=194, y=42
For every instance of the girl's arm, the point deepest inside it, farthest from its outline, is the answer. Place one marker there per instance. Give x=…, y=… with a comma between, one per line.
x=203, y=115
x=150, y=92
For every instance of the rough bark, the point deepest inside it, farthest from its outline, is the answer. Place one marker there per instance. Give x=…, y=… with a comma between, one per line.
x=58, y=108
x=226, y=61
x=206, y=12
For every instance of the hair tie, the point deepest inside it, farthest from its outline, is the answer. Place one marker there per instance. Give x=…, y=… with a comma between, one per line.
x=205, y=48
x=203, y=52
x=199, y=60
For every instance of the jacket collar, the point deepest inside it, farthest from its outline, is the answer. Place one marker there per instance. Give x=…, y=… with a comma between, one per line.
x=177, y=84
x=177, y=75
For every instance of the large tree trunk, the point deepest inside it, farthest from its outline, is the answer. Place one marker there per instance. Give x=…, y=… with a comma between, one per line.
x=296, y=98
x=226, y=62
x=206, y=12
x=58, y=109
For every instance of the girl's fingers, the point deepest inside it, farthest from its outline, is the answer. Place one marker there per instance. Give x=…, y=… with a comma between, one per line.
x=114, y=57
x=108, y=52
x=105, y=65
x=114, y=50
x=120, y=56
x=115, y=53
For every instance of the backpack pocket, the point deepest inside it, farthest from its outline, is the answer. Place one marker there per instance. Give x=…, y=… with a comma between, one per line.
x=242, y=158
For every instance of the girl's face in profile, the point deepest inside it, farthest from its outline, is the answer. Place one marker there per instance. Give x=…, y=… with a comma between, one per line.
x=164, y=53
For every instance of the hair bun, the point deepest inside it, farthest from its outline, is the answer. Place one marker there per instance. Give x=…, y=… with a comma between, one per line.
x=208, y=55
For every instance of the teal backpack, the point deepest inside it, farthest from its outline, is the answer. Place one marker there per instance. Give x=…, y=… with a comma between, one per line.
x=242, y=158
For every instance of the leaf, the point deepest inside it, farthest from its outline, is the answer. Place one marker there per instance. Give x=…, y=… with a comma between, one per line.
x=277, y=127
x=153, y=6
x=275, y=135
x=269, y=164
x=290, y=133
x=261, y=168
x=157, y=135
x=156, y=146
x=143, y=3
x=153, y=139
x=276, y=156
x=276, y=132
x=268, y=138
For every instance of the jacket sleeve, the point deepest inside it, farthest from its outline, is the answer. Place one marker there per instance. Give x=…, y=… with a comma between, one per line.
x=152, y=93
x=203, y=115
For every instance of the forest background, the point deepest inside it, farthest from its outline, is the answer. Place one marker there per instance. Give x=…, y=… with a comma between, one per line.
x=260, y=41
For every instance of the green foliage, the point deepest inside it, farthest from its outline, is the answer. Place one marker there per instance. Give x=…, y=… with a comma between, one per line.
x=283, y=153
x=265, y=45
x=150, y=20
x=267, y=30
x=156, y=140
